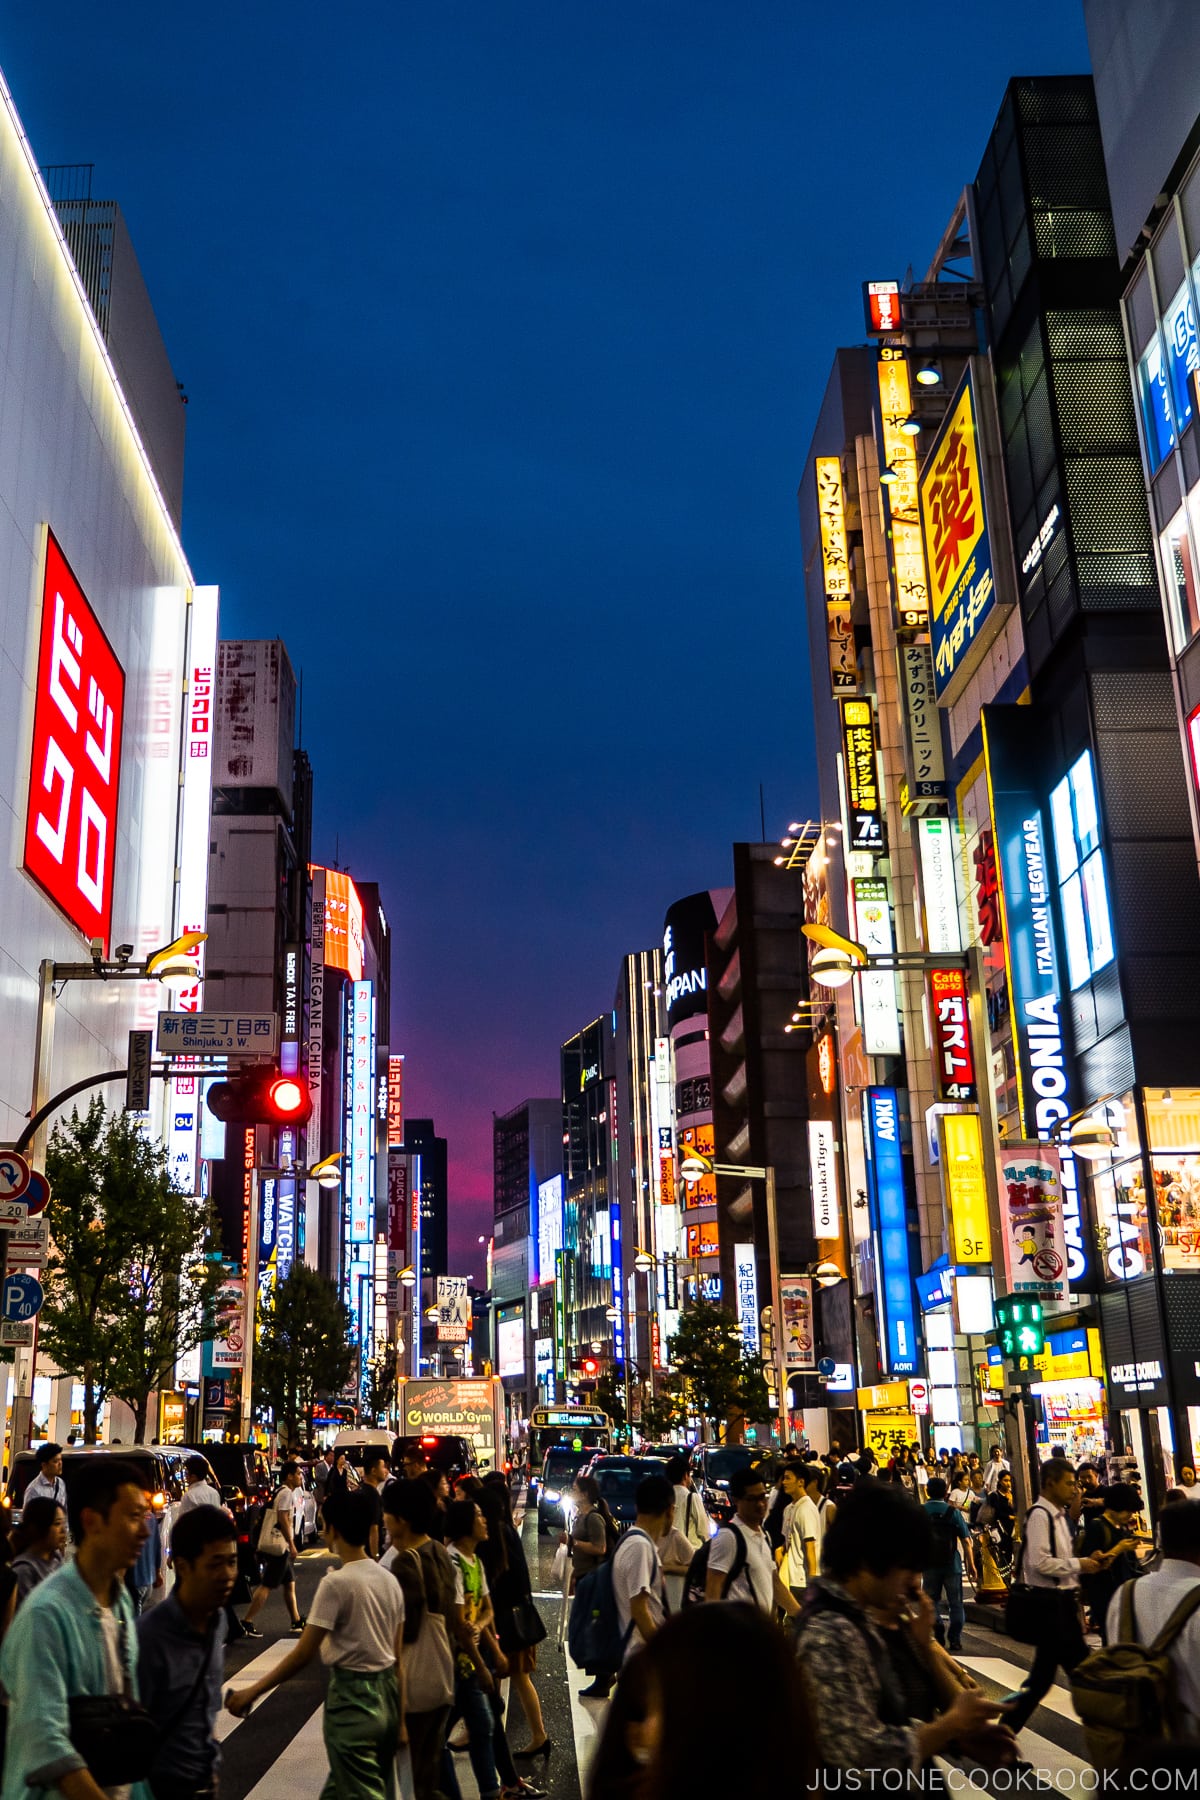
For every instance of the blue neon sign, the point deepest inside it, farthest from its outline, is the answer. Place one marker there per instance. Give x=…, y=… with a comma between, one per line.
x=889, y=1218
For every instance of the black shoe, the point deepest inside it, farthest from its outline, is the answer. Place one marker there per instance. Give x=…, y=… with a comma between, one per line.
x=955, y=1649
x=251, y=1631
x=535, y=1750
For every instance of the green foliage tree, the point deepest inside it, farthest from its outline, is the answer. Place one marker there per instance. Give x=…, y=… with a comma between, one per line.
x=127, y=1287
x=664, y=1410
x=381, y=1388
x=708, y=1351
x=611, y=1400
x=304, y=1348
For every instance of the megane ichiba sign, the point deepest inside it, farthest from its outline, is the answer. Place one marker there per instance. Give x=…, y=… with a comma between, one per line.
x=75, y=765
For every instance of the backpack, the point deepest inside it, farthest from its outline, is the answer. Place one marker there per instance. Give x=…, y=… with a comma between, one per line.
x=945, y=1538
x=1124, y=1693
x=594, y=1635
x=695, y=1580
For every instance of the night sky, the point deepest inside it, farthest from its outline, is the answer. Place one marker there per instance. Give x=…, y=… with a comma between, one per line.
x=504, y=329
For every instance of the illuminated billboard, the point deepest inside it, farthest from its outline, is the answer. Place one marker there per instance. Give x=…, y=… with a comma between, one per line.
x=876, y=986
x=343, y=924
x=889, y=1221
x=950, y=1028
x=881, y=305
x=962, y=584
x=395, y=1102
x=75, y=760
x=835, y=565
x=906, y=558
x=359, y=1066
x=863, y=798
x=966, y=1187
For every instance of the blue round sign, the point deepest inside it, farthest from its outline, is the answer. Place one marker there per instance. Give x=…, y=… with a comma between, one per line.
x=826, y=1366
x=23, y=1295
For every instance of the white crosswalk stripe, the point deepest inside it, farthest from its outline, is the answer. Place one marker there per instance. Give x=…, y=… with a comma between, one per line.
x=1060, y=1765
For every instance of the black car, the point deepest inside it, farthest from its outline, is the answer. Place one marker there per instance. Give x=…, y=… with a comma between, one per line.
x=619, y=1478
x=554, y=1484
x=451, y=1456
x=244, y=1478
x=713, y=1467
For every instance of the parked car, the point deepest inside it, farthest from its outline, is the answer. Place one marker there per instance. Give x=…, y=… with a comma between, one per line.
x=665, y=1452
x=355, y=1441
x=619, y=1478
x=559, y=1469
x=713, y=1467
x=244, y=1478
x=452, y=1455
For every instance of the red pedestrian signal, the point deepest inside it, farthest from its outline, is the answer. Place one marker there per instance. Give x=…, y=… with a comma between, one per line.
x=590, y=1366
x=261, y=1096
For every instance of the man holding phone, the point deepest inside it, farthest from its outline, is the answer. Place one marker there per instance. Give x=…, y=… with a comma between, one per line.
x=1109, y=1537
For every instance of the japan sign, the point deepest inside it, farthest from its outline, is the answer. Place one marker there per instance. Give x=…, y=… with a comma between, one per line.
x=962, y=584
x=862, y=777
x=835, y=563
x=1032, y=1220
x=950, y=1026
x=453, y=1304
x=75, y=764
x=902, y=520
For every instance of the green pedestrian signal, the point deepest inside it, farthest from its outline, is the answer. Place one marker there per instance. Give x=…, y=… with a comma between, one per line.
x=1019, y=1326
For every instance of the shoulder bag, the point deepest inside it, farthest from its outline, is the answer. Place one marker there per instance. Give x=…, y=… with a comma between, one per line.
x=1029, y=1611
x=271, y=1541
x=428, y=1662
x=115, y=1735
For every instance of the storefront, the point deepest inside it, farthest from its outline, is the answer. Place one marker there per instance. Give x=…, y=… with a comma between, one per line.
x=889, y=1421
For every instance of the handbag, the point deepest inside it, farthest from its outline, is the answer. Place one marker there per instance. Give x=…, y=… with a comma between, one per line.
x=558, y=1568
x=1030, y=1612
x=115, y=1735
x=428, y=1661
x=271, y=1541
x=527, y=1625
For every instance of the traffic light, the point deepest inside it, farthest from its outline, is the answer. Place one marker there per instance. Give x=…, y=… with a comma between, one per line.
x=261, y=1096
x=1019, y=1326
x=590, y=1366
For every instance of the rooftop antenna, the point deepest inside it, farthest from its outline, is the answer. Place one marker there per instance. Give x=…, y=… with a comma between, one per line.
x=762, y=814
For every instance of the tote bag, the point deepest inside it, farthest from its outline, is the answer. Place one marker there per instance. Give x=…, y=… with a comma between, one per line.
x=428, y=1662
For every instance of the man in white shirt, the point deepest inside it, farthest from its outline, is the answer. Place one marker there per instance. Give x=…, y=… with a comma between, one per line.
x=803, y=1529
x=690, y=1517
x=998, y=1465
x=740, y=1564
x=276, y=1565
x=1049, y=1564
x=1156, y=1597
x=637, y=1576
x=48, y=1483
x=200, y=1490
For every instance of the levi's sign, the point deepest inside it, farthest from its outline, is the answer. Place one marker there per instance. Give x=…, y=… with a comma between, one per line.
x=217, y=1034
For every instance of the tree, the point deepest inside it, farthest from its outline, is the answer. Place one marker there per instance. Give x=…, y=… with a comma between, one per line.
x=709, y=1352
x=380, y=1395
x=304, y=1348
x=663, y=1410
x=611, y=1399
x=127, y=1287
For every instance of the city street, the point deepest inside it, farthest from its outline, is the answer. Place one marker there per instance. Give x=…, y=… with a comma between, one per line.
x=277, y=1753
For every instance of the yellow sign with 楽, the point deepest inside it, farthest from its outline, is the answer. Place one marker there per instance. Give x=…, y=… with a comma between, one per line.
x=966, y=1187
x=952, y=501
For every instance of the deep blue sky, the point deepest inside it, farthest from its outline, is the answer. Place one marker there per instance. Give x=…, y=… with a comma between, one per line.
x=504, y=328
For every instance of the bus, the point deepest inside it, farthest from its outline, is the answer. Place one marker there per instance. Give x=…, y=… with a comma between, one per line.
x=569, y=1428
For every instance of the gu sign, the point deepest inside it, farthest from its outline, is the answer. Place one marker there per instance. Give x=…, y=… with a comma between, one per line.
x=75, y=765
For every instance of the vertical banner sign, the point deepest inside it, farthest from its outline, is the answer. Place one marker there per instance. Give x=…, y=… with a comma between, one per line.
x=453, y=1309
x=936, y=840
x=835, y=563
x=954, y=519
x=662, y=1119
x=876, y=987
x=360, y=1110
x=881, y=305
x=950, y=1028
x=796, y=1305
x=395, y=1102
x=560, y=1315
x=746, y=1279
x=1031, y=1220
x=397, y=1233
x=415, y=1253
x=862, y=777
x=889, y=1220
x=316, y=1012
x=75, y=760
x=906, y=563
x=966, y=1187
x=923, y=764
x=822, y=1173
x=268, y=1225
x=1012, y=746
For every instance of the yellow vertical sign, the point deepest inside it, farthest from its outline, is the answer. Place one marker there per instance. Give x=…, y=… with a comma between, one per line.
x=910, y=588
x=835, y=565
x=966, y=1187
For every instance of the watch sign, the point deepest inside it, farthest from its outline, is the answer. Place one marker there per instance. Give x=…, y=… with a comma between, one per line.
x=75, y=765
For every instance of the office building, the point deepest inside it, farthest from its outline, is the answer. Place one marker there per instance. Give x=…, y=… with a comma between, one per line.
x=527, y=1164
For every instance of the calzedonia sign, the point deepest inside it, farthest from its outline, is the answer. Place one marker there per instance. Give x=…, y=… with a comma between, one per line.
x=1035, y=988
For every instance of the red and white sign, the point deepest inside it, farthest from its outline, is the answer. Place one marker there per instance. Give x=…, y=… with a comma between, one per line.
x=950, y=1022
x=918, y=1396
x=75, y=767
x=882, y=300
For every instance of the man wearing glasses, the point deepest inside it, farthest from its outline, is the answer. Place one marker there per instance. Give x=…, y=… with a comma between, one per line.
x=741, y=1564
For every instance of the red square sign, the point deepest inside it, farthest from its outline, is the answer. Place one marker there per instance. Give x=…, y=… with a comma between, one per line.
x=75, y=768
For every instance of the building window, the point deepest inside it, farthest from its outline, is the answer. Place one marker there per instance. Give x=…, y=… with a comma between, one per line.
x=1082, y=887
x=1180, y=571
x=1156, y=404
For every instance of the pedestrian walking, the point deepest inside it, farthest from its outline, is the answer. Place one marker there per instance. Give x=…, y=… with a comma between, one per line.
x=712, y=1681
x=181, y=1655
x=466, y=1528
x=277, y=1551
x=874, y=1553
x=356, y=1624
x=39, y=1544
x=1109, y=1535
x=1154, y=1598
x=426, y=1575
x=48, y=1483
x=997, y=1465
x=376, y=1472
x=1051, y=1570
x=320, y=1472
x=593, y=1531
x=146, y=1577
x=637, y=1577
x=200, y=1490
x=741, y=1566
x=519, y=1625
x=803, y=1529
x=74, y=1638
x=951, y=1547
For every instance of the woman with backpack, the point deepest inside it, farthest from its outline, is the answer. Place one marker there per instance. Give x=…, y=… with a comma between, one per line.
x=593, y=1532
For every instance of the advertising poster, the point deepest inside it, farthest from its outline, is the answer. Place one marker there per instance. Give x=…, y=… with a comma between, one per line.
x=1031, y=1220
x=954, y=518
x=453, y=1309
x=796, y=1305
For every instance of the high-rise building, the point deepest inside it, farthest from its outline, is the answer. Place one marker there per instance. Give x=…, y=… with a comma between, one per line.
x=589, y=1262
x=527, y=1162
x=421, y=1140
x=688, y=925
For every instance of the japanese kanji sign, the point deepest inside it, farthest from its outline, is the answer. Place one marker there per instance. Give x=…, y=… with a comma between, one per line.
x=217, y=1034
x=987, y=889
x=835, y=565
x=75, y=765
x=862, y=777
x=906, y=558
x=950, y=1025
x=962, y=583
x=453, y=1309
x=1031, y=1217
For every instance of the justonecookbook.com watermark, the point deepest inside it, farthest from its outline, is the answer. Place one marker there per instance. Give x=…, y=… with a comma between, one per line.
x=1024, y=1779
